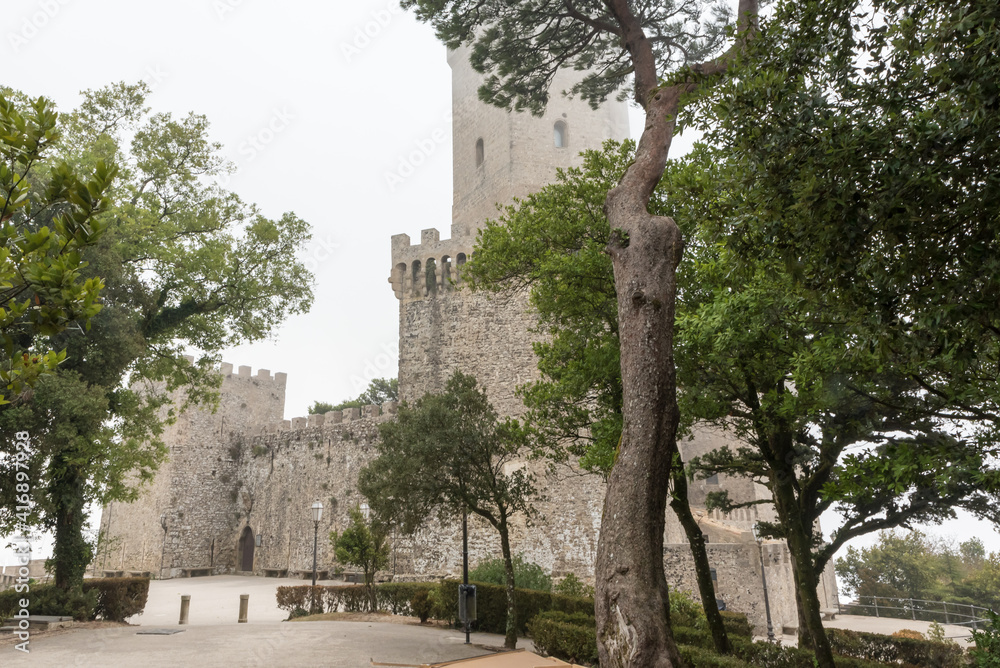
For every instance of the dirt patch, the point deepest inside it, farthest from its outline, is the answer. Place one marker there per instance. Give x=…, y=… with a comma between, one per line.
x=11, y=639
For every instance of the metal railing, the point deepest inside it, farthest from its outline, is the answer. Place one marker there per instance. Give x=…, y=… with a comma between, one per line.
x=943, y=612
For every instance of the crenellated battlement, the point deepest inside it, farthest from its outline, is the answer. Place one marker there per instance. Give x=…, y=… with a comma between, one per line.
x=430, y=268
x=332, y=419
x=246, y=373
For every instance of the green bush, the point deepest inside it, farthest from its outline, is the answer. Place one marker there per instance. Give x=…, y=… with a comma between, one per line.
x=397, y=597
x=686, y=611
x=571, y=637
x=887, y=649
x=491, y=605
x=527, y=575
x=304, y=597
x=118, y=598
x=698, y=657
x=573, y=586
x=987, y=651
x=422, y=605
x=50, y=600
x=737, y=625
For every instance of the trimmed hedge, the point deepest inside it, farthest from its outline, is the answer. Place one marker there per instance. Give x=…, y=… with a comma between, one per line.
x=392, y=597
x=571, y=637
x=888, y=649
x=118, y=598
x=491, y=605
x=113, y=599
x=736, y=623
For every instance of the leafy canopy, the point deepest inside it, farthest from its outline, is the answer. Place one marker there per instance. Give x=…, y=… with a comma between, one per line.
x=50, y=211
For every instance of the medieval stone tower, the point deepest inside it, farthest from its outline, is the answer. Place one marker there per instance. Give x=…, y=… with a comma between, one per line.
x=497, y=156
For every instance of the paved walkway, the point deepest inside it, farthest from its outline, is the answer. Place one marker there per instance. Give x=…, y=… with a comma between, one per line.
x=213, y=638
x=275, y=644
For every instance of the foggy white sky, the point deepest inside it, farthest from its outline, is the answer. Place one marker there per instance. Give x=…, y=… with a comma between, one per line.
x=315, y=103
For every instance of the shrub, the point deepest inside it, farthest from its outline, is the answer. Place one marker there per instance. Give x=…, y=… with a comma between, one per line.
x=686, y=611
x=527, y=575
x=491, y=605
x=300, y=597
x=697, y=657
x=987, y=651
x=397, y=597
x=573, y=586
x=737, y=625
x=571, y=637
x=50, y=600
x=119, y=598
x=887, y=649
x=422, y=605
x=908, y=633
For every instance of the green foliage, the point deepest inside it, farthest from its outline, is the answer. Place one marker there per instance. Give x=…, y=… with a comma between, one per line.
x=889, y=649
x=569, y=637
x=520, y=45
x=185, y=264
x=447, y=454
x=379, y=391
x=573, y=586
x=78, y=603
x=118, y=598
x=986, y=653
x=527, y=575
x=363, y=544
x=50, y=211
x=422, y=605
x=911, y=565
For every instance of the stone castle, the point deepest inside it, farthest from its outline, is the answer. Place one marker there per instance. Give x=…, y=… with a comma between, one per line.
x=234, y=495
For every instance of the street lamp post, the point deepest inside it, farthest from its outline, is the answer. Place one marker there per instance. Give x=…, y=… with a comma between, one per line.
x=763, y=579
x=317, y=513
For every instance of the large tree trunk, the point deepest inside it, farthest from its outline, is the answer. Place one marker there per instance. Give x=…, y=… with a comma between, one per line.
x=699, y=553
x=799, y=534
x=71, y=552
x=632, y=606
x=510, y=640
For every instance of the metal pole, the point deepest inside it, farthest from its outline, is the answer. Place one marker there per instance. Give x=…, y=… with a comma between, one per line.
x=465, y=564
x=876, y=606
x=913, y=609
x=315, y=545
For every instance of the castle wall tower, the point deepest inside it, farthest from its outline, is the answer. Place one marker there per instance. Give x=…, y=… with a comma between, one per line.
x=498, y=156
x=189, y=515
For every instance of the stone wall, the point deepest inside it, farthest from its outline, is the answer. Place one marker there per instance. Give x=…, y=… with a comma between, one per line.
x=186, y=517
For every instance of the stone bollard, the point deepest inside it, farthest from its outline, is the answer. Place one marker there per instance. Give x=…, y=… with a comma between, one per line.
x=185, y=607
x=244, y=602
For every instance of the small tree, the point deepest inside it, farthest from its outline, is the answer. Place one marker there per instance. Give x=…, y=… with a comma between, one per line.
x=448, y=453
x=363, y=544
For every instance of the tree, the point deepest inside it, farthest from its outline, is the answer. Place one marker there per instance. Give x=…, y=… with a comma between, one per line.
x=873, y=190
x=186, y=265
x=42, y=289
x=553, y=244
x=363, y=544
x=448, y=454
x=520, y=46
x=379, y=391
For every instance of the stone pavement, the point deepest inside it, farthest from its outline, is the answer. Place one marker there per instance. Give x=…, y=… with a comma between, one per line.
x=213, y=638
x=274, y=644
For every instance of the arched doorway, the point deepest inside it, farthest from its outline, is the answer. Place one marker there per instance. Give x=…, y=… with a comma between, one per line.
x=246, y=550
